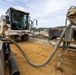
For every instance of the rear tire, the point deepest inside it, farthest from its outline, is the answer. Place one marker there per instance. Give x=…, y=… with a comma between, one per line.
x=25, y=37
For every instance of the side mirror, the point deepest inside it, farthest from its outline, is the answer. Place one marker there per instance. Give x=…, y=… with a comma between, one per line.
x=36, y=22
x=7, y=20
x=7, y=17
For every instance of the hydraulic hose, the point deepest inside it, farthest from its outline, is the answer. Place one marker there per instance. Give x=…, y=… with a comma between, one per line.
x=51, y=55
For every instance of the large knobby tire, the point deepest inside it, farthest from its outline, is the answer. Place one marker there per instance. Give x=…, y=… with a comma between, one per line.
x=25, y=37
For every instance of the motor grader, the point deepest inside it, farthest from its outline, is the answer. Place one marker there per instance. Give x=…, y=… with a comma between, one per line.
x=15, y=23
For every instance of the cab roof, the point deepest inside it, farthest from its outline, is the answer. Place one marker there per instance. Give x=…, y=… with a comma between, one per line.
x=11, y=8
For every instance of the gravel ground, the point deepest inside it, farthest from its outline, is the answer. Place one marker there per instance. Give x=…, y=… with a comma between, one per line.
x=45, y=41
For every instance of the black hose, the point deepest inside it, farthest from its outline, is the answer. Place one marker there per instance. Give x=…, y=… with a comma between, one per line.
x=13, y=69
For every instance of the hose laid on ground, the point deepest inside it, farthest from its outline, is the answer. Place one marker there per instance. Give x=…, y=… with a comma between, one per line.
x=61, y=44
x=51, y=42
x=50, y=57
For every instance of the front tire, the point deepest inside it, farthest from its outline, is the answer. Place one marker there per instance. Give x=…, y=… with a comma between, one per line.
x=25, y=37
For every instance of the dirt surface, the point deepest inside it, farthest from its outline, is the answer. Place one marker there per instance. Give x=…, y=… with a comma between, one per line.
x=38, y=53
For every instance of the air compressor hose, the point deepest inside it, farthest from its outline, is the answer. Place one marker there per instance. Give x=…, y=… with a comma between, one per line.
x=49, y=58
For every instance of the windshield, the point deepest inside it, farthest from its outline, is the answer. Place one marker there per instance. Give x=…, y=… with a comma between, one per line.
x=19, y=20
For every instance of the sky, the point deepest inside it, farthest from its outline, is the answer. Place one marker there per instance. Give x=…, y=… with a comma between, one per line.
x=49, y=13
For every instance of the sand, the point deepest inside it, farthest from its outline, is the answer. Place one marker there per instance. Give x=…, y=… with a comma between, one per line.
x=38, y=53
